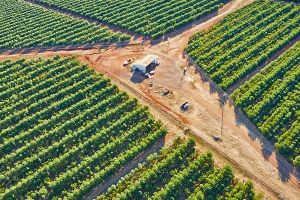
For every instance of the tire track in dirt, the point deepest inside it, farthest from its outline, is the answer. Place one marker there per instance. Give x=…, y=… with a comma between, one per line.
x=171, y=49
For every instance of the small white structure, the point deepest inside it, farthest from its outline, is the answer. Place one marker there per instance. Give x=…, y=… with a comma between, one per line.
x=142, y=65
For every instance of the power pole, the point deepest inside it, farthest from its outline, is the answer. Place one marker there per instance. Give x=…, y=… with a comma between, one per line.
x=222, y=124
x=223, y=104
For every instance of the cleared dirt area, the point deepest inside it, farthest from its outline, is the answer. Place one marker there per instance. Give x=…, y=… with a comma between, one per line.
x=239, y=144
x=241, y=147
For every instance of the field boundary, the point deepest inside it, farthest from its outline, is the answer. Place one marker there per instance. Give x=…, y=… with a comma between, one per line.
x=70, y=13
x=133, y=34
x=86, y=46
x=246, y=121
x=170, y=115
x=142, y=157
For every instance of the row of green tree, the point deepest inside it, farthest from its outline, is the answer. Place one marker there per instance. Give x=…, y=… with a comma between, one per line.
x=243, y=47
x=28, y=25
x=271, y=99
x=69, y=131
x=154, y=18
x=180, y=172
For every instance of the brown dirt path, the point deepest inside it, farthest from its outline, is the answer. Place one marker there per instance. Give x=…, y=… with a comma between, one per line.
x=240, y=146
x=125, y=170
x=204, y=119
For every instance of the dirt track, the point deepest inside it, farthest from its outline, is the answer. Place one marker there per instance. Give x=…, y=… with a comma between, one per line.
x=241, y=147
x=122, y=172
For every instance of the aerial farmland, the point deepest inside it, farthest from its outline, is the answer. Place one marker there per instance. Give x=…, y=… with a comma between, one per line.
x=156, y=99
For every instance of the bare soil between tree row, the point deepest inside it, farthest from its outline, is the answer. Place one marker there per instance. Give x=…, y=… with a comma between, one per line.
x=240, y=147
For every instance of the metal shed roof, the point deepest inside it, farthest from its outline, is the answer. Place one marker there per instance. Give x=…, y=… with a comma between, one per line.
x=147, y=60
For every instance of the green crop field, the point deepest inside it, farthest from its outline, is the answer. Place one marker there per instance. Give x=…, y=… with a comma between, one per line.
x=239, y=45
x=64, y=129
x=26, y=25
x=245, y=40
x=151, y=18
x=271, y=99
x=180, y=173
x=68, y=133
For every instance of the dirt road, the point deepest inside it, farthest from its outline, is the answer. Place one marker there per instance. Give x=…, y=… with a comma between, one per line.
x=240, y=145
x=122, y=172
x=250, y=156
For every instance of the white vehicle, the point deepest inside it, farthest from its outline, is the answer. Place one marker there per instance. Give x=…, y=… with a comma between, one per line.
x=150, y=74
x=128, y=62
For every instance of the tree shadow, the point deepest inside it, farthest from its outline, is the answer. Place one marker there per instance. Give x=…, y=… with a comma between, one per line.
x=285, y=169
x=114, y=178
x=213, y=87
x=183, y=28
x=90, y=19
x=68, y=47
x=134, y=35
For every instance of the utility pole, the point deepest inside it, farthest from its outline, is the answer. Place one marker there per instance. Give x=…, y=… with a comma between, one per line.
x=168, y=46
x=222, y=123
x=184, y=73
